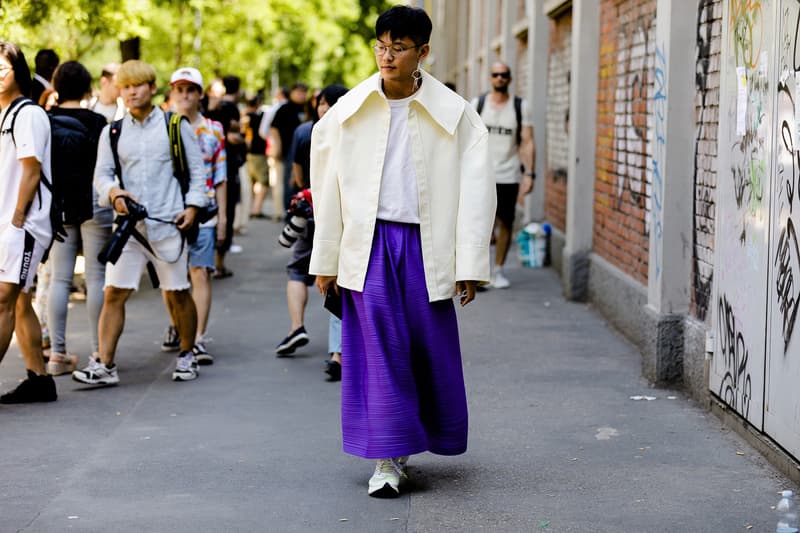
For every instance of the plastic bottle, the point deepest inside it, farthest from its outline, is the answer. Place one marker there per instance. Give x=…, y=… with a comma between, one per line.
x=787, y=523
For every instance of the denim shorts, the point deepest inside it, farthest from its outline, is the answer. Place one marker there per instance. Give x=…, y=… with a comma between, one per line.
x=201, y=252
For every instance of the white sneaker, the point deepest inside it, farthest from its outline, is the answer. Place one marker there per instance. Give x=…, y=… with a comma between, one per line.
x=185, y=367
x=96, y=373
x=499, y=281
x=385, y=481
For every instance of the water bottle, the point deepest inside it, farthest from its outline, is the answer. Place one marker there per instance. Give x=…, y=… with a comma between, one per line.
x=788, y=513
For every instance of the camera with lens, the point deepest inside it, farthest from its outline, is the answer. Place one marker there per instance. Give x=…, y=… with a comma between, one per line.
x=300, y=212
x=125, y=227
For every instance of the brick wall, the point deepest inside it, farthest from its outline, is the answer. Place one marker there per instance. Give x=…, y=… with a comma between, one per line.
x=709, y=37
x=624, y=126
x=556, y=140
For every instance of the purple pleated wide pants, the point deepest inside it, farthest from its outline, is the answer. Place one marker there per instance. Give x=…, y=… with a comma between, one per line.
x=402, y=381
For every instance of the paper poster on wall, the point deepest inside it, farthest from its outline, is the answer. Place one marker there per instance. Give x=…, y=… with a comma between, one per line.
x=797, y=107
x=741, y=100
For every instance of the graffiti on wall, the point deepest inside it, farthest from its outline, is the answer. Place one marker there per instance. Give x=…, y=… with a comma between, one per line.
x=702, y=272
x=787, y=253
x=659, y=154
x=736, y=387
x=745, y=18
x=749, y=153
x=630, y=117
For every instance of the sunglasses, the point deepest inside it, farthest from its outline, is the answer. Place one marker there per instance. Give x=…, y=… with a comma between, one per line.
x=504, y=75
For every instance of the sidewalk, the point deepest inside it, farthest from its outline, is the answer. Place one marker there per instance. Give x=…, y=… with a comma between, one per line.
x=556, y=442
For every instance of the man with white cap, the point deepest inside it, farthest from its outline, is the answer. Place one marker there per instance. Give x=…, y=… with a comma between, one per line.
x=186, y=90
x=134, y=166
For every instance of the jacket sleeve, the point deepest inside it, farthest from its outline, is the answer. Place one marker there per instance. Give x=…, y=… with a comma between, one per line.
x=104, y=177
x=477, y=203
x=326, y=197
x=196, y=195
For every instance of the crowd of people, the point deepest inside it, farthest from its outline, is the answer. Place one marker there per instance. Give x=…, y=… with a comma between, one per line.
x=389, y=191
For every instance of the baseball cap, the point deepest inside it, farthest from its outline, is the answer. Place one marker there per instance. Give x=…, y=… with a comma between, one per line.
x=192, y=75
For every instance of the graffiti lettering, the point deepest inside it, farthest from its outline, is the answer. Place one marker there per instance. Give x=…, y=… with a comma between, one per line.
x=630, y=128
x=787, y=261
x=659, y=153
x=745, y=23
x=702, y=218
x=736, y=387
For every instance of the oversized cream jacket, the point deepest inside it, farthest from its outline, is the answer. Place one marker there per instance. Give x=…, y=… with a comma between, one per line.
x=457, y=199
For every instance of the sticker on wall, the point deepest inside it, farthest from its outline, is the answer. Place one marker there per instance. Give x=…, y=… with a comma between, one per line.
x=741, y=101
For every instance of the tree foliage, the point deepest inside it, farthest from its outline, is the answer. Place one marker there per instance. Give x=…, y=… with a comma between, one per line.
x=262, y=41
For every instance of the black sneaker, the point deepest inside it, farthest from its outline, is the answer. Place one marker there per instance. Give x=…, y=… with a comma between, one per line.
x=334, y=370
x=34, y=389
x=296, y=339
x=201, y=354
x=171, y=342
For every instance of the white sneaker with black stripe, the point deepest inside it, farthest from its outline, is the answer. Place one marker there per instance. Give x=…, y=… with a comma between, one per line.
x=185, y=367
x=96, y=373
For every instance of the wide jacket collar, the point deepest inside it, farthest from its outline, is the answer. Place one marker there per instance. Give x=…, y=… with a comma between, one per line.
x=434, y=97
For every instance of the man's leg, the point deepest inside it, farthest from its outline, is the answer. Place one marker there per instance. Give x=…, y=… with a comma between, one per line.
x=502, y=244
x=297, y=297
x=112, y=321
x=8, y=305
x=29, y=334
x=201, y=294
x=184, y=315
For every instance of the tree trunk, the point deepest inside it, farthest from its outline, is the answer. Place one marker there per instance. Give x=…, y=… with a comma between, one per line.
x=130, y=48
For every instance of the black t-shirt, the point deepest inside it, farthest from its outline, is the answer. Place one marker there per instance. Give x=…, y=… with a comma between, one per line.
x=287, y=118
x=257, y=144
x=226, y=114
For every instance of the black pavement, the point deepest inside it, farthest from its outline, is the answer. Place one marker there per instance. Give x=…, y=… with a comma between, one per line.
x=556, y=442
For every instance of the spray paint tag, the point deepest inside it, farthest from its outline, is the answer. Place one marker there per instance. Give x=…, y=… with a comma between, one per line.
x=741, y=100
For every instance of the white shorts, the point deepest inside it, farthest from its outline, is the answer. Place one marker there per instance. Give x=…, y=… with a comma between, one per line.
x=20, y=255
x=172, y=269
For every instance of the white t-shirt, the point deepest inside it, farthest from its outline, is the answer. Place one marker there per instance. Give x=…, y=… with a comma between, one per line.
x=399, y=198
x=32, y=135
x=502, y=125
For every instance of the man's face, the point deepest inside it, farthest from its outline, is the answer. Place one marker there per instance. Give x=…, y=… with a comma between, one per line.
x=108, y=85
x=138, y=96
x=501, y=78
x=322, y=107
x=298, y=96
x=396, y=65
x=186, y=97
x=8, y=83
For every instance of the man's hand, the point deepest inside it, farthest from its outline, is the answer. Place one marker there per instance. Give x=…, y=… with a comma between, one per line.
x=185, y=218
x=525, y=188
x=116, y=196
x=467, y=290
x=323, y=282
x=222, y=232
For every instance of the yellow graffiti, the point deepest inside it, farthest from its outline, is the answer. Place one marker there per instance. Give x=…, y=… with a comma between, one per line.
x=745, y=25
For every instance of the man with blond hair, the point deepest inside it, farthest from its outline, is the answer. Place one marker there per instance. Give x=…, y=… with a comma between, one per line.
x=146, y=177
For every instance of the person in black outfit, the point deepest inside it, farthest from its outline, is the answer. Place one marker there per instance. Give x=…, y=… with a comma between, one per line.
x=257, y=168
x=88, y=226
x=227, y=113
x=46, y=63
x=287, y=118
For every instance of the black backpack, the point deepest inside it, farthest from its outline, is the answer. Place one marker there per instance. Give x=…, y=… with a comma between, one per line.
x=517, y=111
x=57, y=202
x=73, y=150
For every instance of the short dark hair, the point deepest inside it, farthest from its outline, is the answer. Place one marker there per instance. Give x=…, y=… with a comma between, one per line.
x=22, y=74
x=331, y=94
x=299, y=85
x=46, y=62
x=231, y=83
x=405, y=21
x=72, y=81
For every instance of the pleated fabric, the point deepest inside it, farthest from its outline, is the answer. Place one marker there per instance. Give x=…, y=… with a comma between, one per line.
x=402, y=379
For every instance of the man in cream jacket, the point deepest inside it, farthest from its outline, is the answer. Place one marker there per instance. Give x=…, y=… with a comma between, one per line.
x=404, y=202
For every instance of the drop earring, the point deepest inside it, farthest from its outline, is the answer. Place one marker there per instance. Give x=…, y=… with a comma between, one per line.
x=417, y=75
